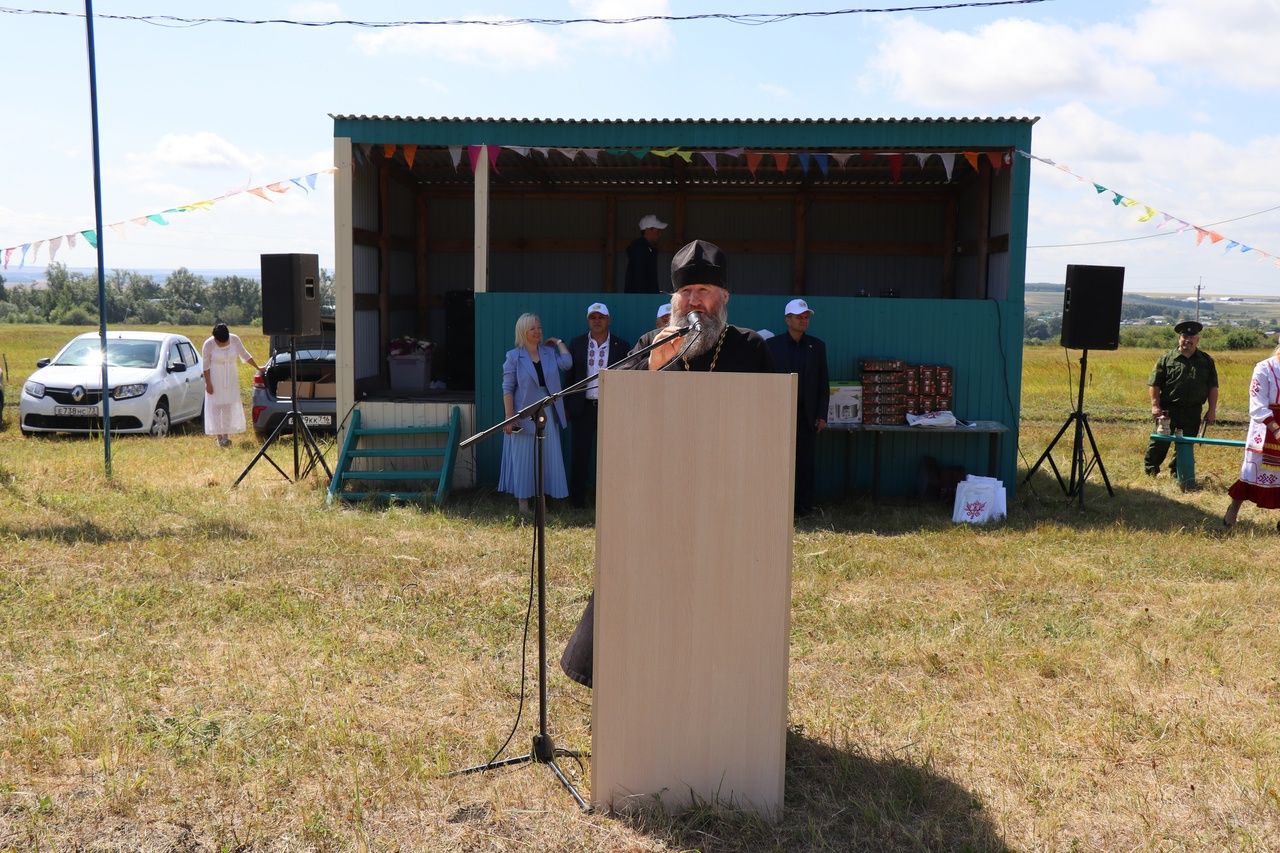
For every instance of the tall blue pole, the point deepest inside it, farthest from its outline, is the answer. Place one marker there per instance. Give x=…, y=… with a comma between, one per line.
x=97, y=224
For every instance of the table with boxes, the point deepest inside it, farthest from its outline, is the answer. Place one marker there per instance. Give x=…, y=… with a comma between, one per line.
x=888, y=391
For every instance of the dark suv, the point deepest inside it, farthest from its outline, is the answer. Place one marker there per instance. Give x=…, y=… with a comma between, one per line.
x=317, y=368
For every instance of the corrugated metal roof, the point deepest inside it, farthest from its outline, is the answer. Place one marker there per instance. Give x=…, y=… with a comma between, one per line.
x=620, y=149
x=715, y=121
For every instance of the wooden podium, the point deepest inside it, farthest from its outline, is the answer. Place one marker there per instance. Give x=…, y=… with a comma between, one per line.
x=693, y=589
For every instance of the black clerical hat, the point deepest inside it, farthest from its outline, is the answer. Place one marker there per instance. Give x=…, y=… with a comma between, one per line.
x=699, y=262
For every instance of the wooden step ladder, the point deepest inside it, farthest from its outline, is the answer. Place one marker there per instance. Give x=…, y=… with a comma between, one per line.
x=351, y=450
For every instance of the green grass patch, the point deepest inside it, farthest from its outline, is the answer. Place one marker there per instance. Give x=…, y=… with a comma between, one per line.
x=188, y=666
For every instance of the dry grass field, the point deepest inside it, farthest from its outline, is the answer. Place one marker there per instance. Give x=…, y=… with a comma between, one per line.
x=188, y=667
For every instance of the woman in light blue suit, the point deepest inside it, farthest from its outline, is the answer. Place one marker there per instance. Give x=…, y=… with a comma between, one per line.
x=529, y=373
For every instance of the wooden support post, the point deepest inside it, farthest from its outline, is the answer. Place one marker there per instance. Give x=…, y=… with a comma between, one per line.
x=798, y=251
x=610, y=244
x=480, y=246
x=421, y=266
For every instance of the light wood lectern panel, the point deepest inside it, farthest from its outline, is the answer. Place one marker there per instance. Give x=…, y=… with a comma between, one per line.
x=693, y=589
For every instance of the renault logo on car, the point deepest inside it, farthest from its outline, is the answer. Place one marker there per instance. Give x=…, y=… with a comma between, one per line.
x=77, y=394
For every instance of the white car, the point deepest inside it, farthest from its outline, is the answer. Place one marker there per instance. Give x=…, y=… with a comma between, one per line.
x=155, y=381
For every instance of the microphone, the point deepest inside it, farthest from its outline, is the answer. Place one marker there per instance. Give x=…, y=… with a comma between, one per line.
x=695, y=321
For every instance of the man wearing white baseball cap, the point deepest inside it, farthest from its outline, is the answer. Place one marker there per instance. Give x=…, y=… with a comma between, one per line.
x=664, y=311
x=591, y=353
x=642, y=257
x=800, y=353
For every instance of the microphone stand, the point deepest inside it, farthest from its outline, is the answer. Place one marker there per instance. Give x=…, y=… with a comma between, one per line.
x=544, y=750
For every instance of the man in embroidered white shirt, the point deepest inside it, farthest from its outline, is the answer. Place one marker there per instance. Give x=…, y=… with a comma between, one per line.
x=591, y=353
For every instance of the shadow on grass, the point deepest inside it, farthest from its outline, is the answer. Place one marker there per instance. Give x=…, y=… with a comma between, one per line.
x=1042, y=501
x=840, y=800
x=90, y=532
x=488, y=506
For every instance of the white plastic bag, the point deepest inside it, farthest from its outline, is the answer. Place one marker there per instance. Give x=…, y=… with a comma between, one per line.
x=932, y=419
x=979, y=500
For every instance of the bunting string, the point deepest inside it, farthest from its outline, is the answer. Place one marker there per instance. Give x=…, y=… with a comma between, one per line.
x=1149, y=213
x=716, y=159
x=29, y=252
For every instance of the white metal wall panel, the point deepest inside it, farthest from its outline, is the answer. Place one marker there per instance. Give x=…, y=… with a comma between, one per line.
x=368, y=357
x=400, y=209
x=449, y=219
x=547, y=218
x=752, y=219
x=364, y=198
x=1001, y=201
x=401, y=272
x=874, y=275
x=545, y=271
x=364, y=262
x=868, y=220
x=449, y=271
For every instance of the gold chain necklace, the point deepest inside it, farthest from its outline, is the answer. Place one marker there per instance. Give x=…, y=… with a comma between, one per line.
x=716, y=356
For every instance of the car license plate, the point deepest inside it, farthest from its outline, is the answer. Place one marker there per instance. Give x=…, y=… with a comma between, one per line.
x=74, y=411
x=318, y=420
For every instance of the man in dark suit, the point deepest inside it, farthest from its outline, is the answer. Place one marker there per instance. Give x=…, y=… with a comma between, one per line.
x=801, y=353
x=642, y=257
x=591, y=352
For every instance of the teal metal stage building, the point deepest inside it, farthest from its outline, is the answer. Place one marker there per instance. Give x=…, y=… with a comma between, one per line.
x=906, y=236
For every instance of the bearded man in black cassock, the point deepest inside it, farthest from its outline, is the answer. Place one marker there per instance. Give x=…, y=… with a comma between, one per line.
x=699, y=284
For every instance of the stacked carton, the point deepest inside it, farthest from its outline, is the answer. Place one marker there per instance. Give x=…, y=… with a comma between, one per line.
x=891, y=388
x=884, y=391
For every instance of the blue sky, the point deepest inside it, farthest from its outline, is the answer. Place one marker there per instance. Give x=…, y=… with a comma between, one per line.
x=1171, y=102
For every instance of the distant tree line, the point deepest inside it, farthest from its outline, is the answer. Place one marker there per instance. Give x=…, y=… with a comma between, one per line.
x=1048, y=330
x=182, y=299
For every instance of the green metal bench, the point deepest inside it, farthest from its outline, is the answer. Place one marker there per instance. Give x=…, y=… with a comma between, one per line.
x=1184, y=454
x=351, y=450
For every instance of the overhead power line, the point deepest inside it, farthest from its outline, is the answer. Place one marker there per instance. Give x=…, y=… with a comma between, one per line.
x=745, y=18
x=1149, y=236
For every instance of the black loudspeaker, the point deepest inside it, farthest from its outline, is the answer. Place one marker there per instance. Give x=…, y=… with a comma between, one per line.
x=1091, y=307
x=290, y=294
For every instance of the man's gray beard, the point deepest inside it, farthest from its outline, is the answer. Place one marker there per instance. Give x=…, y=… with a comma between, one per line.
x=712, y=326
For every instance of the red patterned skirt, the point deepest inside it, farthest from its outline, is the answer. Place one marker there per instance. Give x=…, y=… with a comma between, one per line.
x=1259, y=480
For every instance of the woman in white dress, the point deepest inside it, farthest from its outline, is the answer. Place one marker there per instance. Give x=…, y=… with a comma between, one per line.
x=223, y=410
x=1260, y=474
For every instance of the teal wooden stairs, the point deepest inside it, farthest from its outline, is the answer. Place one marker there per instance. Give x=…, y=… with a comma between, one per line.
x=343, y=475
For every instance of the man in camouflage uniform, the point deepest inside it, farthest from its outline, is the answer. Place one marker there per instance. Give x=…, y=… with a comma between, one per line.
x=1180, y=384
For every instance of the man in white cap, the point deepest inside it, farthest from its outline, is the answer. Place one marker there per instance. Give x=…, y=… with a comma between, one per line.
x=642, y=257
x=800, y=353
x=591, y=352
x=664, y=313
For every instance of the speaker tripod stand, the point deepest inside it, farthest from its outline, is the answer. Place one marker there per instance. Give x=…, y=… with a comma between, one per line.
x=1080, y=465
x=304, y=442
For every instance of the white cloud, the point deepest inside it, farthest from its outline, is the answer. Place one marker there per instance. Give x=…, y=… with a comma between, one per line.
x=1188, y=173
x=773, y=90
x=434, y=86
x=529, y=46
x=643, y=40
x=475, y=44
x=200, y=150
x=1008, y=60
x=1233, y=39
x=315, y=12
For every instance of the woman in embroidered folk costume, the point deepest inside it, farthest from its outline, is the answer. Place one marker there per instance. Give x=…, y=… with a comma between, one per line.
x=1260, y=474
x=699, y=283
